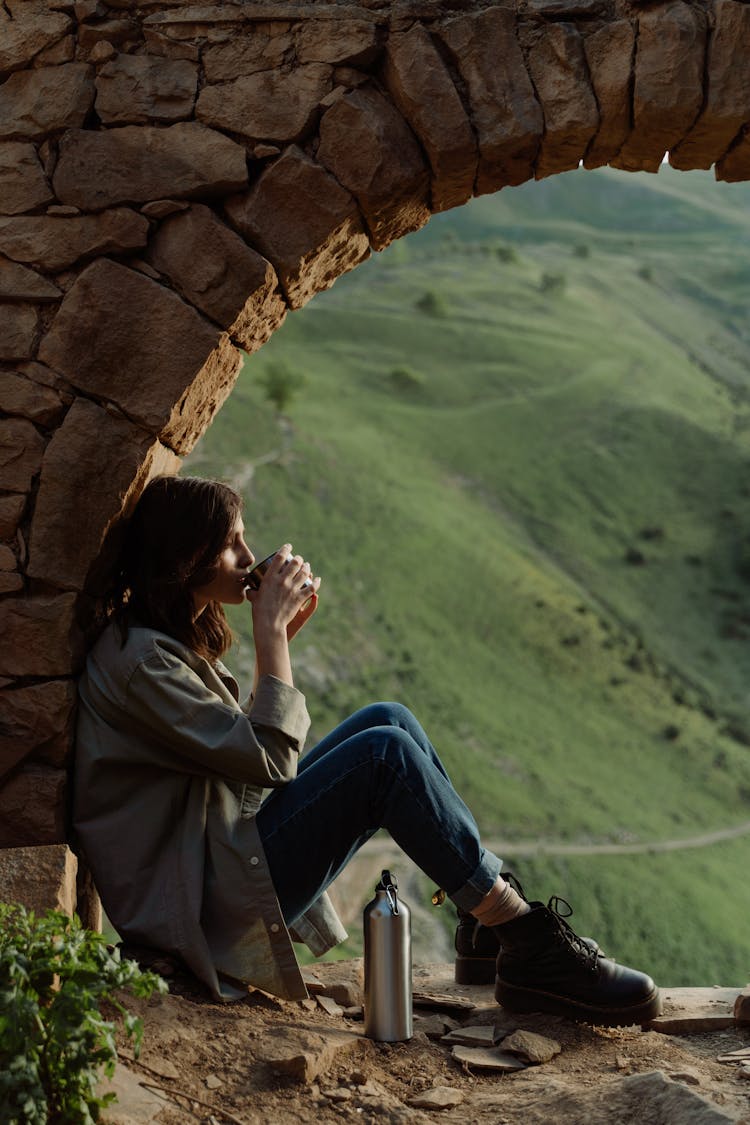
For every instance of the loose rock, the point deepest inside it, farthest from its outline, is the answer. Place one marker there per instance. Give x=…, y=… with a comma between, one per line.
x=439, y=1097
x=304, y=1055
x=535, y=1048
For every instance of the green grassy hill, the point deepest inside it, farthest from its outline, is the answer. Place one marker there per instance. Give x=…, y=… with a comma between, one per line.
x=520, y=462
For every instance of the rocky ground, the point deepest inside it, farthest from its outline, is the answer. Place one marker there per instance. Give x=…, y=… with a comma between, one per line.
x=263, y=1060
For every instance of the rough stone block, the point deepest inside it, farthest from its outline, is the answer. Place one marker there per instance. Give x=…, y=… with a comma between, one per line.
x=26, y=28
x=34, y=103
x=33, y=807
x=21, y=396
x=355, y=42
x=95, y=467
x=217, y=272
x=10, y=582
x=304, y=222
x=571, y=116
x=36, y=720
x=141, y=88
x=61, y=52
x=735, y=166
x=685, y=1010
x=668, y=90
x=41, y=878
x=504, y=111
x=23, y=184
x=270, y=105
x=371, y=150
x=40, y=636
x=18, y=337
x=55, y=242
x=21, y=450
x=118, y=33
x=245, y=54
x=727, y=94
x=423, y=90
x=11, y=511
x=17, y=283
x=610, y=57
x=123, y=337
x=136, y=164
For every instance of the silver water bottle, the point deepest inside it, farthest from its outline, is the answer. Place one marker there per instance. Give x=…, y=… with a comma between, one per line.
x=387, y=929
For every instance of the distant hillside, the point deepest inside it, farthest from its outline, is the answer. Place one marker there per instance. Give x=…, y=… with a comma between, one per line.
x=520, y=462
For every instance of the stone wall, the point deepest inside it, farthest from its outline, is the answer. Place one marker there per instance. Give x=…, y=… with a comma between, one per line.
x=175, y=177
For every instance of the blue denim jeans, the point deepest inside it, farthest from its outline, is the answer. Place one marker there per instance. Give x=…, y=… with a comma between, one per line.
x=376, y=770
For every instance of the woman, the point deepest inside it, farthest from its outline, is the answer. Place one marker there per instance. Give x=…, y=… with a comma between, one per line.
x=170, y=771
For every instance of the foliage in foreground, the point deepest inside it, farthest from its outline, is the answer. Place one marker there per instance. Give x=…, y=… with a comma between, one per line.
x=55, y=1044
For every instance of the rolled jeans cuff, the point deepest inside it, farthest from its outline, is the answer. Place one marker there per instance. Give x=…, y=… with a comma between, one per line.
x=481, y=882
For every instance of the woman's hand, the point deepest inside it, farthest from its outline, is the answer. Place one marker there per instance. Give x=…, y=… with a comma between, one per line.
x=303, y=615
x=285, y=600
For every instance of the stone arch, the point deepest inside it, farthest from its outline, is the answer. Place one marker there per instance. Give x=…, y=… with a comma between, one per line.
x=175, y=178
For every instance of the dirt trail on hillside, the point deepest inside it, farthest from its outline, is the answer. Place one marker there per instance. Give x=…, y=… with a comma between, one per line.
x=431, y=933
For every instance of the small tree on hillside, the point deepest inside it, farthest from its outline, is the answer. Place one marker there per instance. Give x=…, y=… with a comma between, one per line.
x=281, y=384
x=552, y=283
x=432, y=304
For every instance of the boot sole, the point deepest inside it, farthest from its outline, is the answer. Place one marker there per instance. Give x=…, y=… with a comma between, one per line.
x=476, y=970
x=517, y=999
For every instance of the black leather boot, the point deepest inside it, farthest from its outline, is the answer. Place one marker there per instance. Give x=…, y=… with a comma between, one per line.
x=543, y=966
x=477, y=947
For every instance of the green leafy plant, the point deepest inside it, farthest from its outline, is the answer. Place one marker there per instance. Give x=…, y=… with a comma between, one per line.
x=55, y=1043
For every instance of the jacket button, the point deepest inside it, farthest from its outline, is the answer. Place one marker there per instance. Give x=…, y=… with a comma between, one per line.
x=274, y=927
x=254, y=860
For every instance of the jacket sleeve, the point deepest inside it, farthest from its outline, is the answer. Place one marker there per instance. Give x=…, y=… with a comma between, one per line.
x=174, y=708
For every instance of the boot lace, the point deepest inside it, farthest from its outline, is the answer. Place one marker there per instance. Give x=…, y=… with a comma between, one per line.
x=562, y=909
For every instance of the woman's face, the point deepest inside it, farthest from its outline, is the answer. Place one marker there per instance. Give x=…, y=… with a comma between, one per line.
x=228, y=584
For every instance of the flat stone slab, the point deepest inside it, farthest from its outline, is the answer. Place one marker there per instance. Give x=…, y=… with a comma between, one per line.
x=483, y=1035
x=434, y=987
x=136, y=1104
x=487, y=1058
x=689, y=1010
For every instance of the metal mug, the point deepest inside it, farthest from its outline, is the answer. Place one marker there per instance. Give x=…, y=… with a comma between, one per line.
x=254, y=577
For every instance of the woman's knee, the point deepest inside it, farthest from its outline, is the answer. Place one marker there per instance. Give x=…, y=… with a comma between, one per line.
x=390, y=714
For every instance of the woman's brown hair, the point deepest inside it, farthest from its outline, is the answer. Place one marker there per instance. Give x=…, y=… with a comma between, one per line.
x=172, y=543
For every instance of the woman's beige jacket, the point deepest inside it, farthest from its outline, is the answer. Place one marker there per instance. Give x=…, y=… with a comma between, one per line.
x=169, y=773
